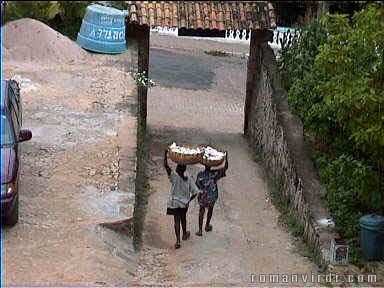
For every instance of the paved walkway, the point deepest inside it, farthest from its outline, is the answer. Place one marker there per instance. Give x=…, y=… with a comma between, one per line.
x=246, y=237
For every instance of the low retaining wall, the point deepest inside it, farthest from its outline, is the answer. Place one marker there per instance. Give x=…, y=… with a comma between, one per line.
x=277, y=135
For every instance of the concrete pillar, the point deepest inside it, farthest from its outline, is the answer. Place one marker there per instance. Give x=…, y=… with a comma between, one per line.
x=143, y=65
x=140, y=34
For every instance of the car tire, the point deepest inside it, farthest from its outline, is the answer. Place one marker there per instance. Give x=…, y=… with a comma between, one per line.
x=13, y=218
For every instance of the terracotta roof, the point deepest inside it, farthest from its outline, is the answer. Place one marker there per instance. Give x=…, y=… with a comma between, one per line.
x=221, y=15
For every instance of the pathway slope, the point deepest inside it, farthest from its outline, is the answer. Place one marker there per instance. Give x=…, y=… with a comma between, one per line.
x=246, y=238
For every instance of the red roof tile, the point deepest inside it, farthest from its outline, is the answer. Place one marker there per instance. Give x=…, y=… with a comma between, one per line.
x=221, y=15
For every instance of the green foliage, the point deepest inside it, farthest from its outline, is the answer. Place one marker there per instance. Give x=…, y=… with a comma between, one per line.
x=142, y=80
x=351, y=191
x=118, y=5
x=351, y=63
x=298, y=59
x=334, y=77
x=71, y=14
x=216, y=53
x=40, y=10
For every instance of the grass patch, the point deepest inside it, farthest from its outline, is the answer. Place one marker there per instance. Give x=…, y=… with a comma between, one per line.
x=217, y=53
x=257, y=157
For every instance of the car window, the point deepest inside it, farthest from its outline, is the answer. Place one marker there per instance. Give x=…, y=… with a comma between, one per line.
x=16, y=90
x=14, y=95
x=15, y=110
x=7, y=135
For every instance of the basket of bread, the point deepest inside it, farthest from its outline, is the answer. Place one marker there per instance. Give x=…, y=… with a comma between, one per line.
x=196, y=154
x=212, y=157
x=185, y=154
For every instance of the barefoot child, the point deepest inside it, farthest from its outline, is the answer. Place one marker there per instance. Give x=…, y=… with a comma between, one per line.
x=183, y=190
x=206, y=181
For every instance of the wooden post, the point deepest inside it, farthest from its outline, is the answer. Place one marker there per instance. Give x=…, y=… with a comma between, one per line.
x=258, y=37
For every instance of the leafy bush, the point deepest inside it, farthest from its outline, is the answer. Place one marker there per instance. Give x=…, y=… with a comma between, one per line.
x=71, y=16
x=334, y=76
x=351, y=66
x=39, y=10
x=351, y=191
x=298, y=58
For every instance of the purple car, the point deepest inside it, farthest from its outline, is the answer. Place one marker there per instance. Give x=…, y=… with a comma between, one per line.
x=11, y=136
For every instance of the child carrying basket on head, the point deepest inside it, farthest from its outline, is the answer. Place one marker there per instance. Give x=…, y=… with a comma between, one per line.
x=183, y=190
x=207, y=181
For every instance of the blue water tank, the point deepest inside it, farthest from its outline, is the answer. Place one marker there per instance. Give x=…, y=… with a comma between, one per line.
x=103, y=30
x=372, y=236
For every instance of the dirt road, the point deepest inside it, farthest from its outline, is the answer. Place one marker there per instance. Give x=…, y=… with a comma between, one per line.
x=70, y=176
x=246, y=237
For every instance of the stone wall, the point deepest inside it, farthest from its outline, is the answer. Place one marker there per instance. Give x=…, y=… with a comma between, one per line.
x=277, y=135
x=127, y=142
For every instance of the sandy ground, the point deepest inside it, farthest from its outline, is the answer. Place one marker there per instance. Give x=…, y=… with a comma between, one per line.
x=246, y=237
x=70, y=176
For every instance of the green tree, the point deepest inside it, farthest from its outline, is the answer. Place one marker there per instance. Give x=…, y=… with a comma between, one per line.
x=40, y=10
x=71, y=16
x=351, y=63
x=333, y=75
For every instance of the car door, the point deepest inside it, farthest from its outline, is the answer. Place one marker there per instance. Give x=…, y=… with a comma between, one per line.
x=14, y=95
x=16, y=128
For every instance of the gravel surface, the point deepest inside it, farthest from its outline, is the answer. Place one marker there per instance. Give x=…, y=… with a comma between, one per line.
x=70, y=178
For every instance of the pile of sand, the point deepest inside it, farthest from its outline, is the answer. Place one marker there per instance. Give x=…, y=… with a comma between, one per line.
x=29, y=40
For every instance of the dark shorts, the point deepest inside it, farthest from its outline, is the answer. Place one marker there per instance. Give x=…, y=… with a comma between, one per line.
x=177, y=211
